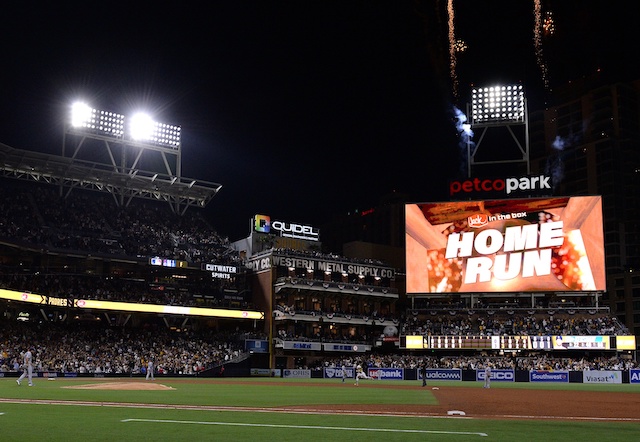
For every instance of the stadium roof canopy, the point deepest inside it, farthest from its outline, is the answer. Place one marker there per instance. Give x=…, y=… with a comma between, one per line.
x=124, y=184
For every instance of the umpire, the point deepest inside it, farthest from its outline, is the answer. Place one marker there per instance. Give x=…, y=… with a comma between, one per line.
x=423, y=373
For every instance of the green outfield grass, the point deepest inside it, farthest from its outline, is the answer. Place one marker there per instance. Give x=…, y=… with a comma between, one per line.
x=28, y=421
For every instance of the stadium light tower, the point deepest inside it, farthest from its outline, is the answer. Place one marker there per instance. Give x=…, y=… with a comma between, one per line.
x=131, y=167
x=494, y=108
x=136, y=135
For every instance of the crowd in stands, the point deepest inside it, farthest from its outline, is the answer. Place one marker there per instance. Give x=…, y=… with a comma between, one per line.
x=97, y=349
x=483, y=324
x=202, y=292
x=477, y=362
x=91, y=222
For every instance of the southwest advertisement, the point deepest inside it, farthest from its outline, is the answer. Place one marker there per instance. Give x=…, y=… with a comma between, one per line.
x=521, y=245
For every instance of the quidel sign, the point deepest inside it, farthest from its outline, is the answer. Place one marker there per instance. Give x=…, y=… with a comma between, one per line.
x=264, y=224
x=540, y=185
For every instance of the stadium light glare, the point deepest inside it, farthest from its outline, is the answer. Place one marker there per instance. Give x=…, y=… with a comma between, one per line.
x=140, y=127
x=143, y=128
x=95, y=121
x=80, y=114
x=497, y=104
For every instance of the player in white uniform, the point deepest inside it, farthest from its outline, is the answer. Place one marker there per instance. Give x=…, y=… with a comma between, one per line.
x=150, y=369
x=360, y=374
x=27, y=367
x=487, y=376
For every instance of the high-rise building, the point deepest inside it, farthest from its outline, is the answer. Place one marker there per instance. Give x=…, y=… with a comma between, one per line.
x=589, y=141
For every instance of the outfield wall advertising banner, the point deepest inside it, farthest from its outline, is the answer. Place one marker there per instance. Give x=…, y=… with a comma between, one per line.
x=602, y=377
x=394, y=374
x=634, y=376
x=301, y=373
x=548, y=376
x=522, y=245
x=444, y=374
x=499, y=375
x=335, y=372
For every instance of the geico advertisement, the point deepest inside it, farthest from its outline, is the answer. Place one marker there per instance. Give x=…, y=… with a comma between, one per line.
x=543, y=244
x=497, y=375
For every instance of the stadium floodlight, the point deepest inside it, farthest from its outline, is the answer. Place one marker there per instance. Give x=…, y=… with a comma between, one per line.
x=87, y=119
x=143, y=128
x=140, y=128
x=497, y=104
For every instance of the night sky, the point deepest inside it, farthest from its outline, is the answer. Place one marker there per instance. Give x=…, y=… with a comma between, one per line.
x=300, y=109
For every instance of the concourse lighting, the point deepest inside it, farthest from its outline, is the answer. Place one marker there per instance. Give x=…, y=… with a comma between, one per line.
x=497, y=104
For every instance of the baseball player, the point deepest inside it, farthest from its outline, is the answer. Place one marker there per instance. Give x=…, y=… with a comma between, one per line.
x=487, y=376
x=27, y=367
x=344, y=373
x=150, y=374
x=360, y=374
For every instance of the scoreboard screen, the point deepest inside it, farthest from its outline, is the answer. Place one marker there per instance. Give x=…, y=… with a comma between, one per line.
x=496, y=246
x=524, y=342
x=469, y=342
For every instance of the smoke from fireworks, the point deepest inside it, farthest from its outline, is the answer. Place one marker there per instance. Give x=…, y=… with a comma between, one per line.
x=537, y=41
x=466, y=135
x=555, y=163
x=452, y=48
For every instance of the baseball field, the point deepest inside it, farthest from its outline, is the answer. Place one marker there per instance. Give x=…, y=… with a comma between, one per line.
x=274, y=409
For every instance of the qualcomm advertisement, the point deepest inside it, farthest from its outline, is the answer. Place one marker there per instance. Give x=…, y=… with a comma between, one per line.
x=454, y=374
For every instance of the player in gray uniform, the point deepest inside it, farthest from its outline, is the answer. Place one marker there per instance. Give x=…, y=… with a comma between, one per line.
x=487, y=376
x=150, y=369
x=27, y=367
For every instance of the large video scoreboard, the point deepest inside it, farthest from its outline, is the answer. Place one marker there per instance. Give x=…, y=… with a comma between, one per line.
x=496, y=246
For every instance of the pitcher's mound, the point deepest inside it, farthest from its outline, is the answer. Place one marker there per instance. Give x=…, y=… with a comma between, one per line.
x=137, y=386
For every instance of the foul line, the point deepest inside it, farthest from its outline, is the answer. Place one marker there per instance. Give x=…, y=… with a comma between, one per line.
x=306, y=427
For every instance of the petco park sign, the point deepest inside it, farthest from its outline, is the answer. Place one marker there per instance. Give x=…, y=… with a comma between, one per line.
x=539, y=185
